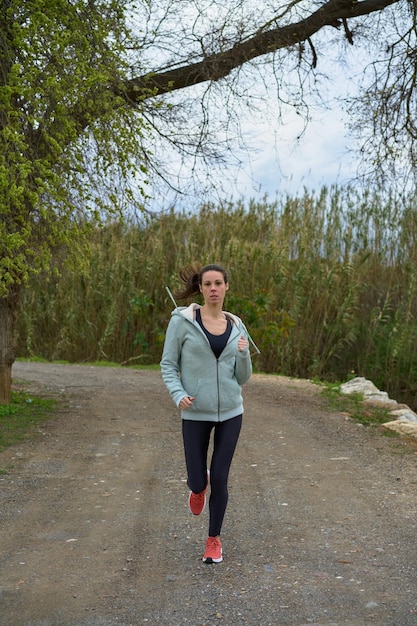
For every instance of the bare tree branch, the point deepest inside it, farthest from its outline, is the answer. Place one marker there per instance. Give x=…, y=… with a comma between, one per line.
x=220, y=64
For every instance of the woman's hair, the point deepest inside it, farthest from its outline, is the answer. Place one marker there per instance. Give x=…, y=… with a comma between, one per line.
x=192, y=277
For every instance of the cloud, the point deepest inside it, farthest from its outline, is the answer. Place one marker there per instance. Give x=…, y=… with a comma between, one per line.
x=286, y=162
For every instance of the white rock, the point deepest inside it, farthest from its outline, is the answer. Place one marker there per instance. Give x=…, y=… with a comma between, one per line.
x=382, y=400
x=359, y=385
x=381, y=396
x=404, y=415
x=372, y=395
x=403, y=428
x=369, y=391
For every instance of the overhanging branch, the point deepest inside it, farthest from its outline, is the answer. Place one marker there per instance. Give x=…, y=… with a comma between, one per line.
x=219, y=65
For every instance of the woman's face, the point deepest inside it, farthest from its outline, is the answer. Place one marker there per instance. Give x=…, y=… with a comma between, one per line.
x=213, y=287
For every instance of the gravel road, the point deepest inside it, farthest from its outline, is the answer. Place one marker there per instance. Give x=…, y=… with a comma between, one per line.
x=95, y=530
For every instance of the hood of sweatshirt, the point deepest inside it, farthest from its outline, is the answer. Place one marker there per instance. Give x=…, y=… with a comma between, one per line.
x=189, y=311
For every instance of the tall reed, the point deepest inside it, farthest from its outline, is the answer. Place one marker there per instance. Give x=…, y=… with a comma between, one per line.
x=325, y=282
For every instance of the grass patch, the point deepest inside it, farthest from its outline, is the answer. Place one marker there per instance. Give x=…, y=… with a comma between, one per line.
x=353, y=404
x=19, y=418
x=130, y=365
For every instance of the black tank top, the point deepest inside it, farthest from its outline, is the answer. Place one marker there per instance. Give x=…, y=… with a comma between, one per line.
x=217, y=342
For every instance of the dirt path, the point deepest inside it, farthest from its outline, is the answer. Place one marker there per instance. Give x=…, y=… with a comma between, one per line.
x=320, y=529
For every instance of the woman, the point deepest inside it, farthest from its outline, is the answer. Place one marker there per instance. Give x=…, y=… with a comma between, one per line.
x=205, y=361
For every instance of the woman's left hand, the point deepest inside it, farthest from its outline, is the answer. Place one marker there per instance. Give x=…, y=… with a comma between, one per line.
x=242, y=344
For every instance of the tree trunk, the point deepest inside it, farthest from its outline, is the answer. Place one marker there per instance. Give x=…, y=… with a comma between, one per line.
x=8, y=307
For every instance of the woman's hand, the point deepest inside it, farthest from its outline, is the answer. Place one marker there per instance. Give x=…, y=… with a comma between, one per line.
x=242, y=344
x=186, y=403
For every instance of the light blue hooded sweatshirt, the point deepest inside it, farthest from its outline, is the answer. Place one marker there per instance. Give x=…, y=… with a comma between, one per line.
x=190, y=368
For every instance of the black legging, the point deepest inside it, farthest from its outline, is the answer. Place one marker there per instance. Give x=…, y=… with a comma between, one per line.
x=196, y=437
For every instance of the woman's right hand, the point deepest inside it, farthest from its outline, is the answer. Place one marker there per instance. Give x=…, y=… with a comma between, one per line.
x=242, y=344
x=186, y=403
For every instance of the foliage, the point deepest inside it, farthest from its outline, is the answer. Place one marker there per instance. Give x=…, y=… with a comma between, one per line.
x=60, y=128
x=325, y=283
x=85, y=86
x=354, y=406
x=19, y=418
x=76, y=77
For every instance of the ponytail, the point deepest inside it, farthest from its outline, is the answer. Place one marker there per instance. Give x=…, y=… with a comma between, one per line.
x=190, y=276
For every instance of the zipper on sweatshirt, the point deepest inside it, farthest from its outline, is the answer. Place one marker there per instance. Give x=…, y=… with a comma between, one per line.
x=196, y=325
x=218, y=390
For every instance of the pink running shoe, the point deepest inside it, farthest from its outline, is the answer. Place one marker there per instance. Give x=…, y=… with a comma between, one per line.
x=213, y=553
x=197, y=501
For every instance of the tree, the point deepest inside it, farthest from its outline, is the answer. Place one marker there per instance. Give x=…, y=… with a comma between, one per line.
x=384, y=117
x=84, y=85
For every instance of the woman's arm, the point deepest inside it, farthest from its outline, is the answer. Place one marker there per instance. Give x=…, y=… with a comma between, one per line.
x=170, y=362
x=243, y=366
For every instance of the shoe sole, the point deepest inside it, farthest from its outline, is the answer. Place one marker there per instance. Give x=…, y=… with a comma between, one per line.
x=210, y=561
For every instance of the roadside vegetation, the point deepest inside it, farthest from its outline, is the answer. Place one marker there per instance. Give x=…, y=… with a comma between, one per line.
x=353, y=405
x=326, y=283
x=21, y=418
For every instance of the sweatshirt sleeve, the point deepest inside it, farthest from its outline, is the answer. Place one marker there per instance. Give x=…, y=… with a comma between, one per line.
x=243, y=366
x=170, y=362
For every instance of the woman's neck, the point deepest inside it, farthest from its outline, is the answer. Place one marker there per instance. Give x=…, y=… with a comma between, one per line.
x=214, y=311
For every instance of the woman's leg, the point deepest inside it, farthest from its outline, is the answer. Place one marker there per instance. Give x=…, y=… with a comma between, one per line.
x=196, y=438
x=226, y=436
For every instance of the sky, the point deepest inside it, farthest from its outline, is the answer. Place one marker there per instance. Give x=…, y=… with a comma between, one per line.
x=287, y=159
x=285, y=164
x=281, y=164
x=284, y=160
